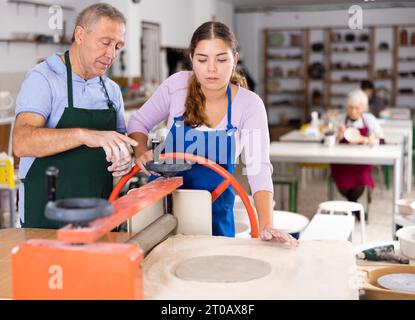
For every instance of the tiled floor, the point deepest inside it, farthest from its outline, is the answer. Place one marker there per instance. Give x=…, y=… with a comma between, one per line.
x=379, y=227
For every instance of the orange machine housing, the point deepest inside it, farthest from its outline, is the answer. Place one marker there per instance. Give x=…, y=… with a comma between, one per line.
x=76, y=267
x=50, y=270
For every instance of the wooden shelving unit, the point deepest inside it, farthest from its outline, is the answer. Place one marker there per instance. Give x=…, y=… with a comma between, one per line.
x=374, y=61
x=285, y=78
x=405, y=63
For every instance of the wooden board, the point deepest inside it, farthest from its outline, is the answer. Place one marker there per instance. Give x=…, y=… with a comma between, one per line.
x=9, y=238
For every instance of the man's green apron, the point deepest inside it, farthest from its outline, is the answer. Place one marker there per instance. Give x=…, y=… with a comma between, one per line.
x=82, y=171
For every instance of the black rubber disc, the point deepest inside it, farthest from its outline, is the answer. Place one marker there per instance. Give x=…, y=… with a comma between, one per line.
x=78, y=211
x=167, y=169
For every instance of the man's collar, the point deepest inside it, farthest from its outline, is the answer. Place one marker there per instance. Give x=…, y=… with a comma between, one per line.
x=56, y=64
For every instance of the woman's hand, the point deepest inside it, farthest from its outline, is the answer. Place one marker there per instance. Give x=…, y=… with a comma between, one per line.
x=270, y=234
x=143, y=159
x=373, y=140
x=360, y=140
x=114, y=144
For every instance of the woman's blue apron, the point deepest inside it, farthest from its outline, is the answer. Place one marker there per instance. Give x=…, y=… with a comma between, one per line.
x=217, y=146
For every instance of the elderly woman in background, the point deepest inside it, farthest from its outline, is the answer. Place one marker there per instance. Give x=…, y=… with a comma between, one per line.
x=352, y=179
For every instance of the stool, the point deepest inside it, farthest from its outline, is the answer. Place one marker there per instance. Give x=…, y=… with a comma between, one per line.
x=330, y=193
x=347, y=207
x=329, y=227
x=292, y=184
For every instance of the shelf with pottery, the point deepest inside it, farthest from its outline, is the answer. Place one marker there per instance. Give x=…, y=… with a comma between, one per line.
x=351, y=52
x=350, y=69
x=360, y=43
x=286, y=58
x=346, y=81
x=325, y=68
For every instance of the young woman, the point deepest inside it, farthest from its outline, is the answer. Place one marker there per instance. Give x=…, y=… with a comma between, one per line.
x=211, y=113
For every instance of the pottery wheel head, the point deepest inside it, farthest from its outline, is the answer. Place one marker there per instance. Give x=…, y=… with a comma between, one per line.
x=404, y=282
x=222, y=268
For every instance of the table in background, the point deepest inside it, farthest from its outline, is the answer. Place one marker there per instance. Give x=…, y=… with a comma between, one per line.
x=347, y=154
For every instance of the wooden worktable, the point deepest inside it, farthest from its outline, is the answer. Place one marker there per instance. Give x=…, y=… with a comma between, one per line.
x=9, y=238
x=315, y=270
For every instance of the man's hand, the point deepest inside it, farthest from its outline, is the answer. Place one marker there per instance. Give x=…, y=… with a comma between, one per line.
x=123, y=166
x=115, y=145
x=121, y=169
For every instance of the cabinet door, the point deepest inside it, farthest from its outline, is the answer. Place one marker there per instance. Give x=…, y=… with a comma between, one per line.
x=4, y=137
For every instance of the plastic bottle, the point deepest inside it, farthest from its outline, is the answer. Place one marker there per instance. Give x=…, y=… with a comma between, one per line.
x=315, y=124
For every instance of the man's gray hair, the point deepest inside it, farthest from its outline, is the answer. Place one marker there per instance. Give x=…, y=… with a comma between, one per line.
x=90, y=15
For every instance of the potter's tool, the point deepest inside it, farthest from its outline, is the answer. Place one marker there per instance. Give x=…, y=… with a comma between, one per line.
x=165, y=168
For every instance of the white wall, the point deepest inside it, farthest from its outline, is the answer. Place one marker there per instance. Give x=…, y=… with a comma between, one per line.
x=177, y=18
x=225, y=14
x=20, y=57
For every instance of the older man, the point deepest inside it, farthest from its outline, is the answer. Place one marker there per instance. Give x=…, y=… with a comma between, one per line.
x=70, y=116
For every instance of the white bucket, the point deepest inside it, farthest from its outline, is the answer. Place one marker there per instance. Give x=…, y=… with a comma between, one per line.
x=239, y=204
x=241, y=215
x=242, y=230
x=289, y=222
x=406, y=237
